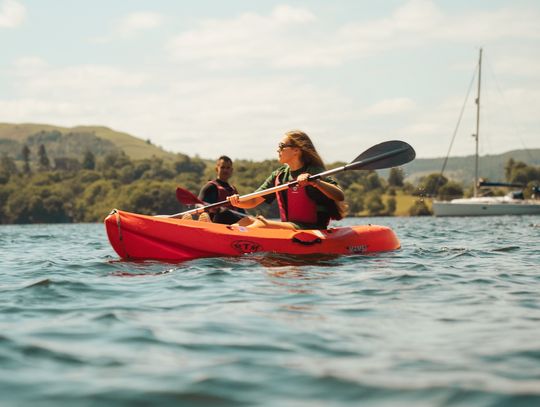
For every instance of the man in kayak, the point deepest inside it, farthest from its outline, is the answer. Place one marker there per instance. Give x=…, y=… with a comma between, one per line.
x=218, y=190
x=308, y=205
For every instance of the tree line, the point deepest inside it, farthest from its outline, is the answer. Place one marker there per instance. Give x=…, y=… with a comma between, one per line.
x=65, y=190
x=516, y=172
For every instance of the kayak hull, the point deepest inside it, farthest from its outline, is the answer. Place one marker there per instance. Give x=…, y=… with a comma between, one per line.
x=142, y=237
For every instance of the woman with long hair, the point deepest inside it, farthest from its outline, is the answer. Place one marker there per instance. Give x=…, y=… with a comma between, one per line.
x=308, y=205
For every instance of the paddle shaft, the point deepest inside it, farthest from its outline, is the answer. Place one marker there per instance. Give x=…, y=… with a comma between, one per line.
x=355, y=165
x=187, y=198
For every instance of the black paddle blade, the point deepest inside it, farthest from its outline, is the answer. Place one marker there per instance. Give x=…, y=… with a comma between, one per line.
x=187, y=198
x=384, y=155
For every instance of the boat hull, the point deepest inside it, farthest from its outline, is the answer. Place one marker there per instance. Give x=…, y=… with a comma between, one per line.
x=485, y=208
x=142, y=237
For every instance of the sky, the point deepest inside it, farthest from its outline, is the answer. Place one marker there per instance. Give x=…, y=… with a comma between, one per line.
x=231, y=77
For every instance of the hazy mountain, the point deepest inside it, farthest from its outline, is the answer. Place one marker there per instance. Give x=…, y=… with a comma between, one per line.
x=462, y=168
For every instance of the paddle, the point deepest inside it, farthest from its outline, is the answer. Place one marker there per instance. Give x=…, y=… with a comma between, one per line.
x=384, y=155
x=187, y=198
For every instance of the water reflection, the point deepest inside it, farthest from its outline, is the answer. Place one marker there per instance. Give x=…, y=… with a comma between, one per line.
x=276, y=260
x=138, y=268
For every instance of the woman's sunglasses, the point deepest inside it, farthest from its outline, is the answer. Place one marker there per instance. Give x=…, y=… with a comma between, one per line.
x=282, y=146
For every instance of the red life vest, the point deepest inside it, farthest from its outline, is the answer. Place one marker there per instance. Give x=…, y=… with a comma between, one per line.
x=300, y=207
x=223, y=192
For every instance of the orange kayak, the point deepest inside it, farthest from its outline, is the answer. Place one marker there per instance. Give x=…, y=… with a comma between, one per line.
x=135, y=236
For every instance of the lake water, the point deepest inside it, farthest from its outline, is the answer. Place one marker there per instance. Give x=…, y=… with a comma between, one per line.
x=451, y=319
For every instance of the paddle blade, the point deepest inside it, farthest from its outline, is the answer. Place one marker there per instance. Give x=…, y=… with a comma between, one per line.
x=384, y=155
x=187, y=198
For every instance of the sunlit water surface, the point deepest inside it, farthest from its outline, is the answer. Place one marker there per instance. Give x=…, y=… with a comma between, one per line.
x=451, y=319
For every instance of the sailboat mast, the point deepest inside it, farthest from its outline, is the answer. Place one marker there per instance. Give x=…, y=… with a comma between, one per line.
x=477, y=124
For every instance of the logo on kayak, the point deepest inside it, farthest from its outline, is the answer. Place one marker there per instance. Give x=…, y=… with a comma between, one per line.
x=357, y=249
x=245, y=246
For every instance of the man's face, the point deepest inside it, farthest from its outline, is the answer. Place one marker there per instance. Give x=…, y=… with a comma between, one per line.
x=224, y=170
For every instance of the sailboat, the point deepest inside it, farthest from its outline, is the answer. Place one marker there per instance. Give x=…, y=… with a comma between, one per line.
x=510, y=204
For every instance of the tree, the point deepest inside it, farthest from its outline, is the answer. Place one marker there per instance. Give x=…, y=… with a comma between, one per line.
x=395, y=178
x=408, y=188
x=391, y=205
x=429, y=186
x=115, y=160
x=7, y=165
x=186, y=164
x=7, y=168
x=66, y=164
x=450, y=190
x=26, y=158
x=355, y=198
x=37, y=204
x=152, y=197
x=89, y=160
x=158, y=170
x=375, y=205
x=419, y=208
x=373, y=181
x=525, y=174
x=44, y=163
x=508, y=168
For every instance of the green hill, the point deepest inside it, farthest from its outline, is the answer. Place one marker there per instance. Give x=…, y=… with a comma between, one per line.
x=461, y=169
x=73, y=142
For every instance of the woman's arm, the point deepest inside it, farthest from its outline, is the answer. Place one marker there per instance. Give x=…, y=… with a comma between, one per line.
x=247, y=204
x=330, y=190
x=253, y=202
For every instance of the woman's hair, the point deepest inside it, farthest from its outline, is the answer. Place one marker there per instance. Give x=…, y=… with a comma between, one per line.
x=311, y=157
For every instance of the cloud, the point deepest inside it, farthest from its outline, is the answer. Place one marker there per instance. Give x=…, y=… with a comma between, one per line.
x=12, y=14
x=287, y=14
x=391, y=107
x=248, y=38
x=518, y=62
x=136, y=22
x=197, y=111
x=197, y=114
x=488, y=26
x=408, y=25
x=184, y=113
x=420, y=23
x=294, y=37
x=29, y=64
x=35, y=78
x=131, y=25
